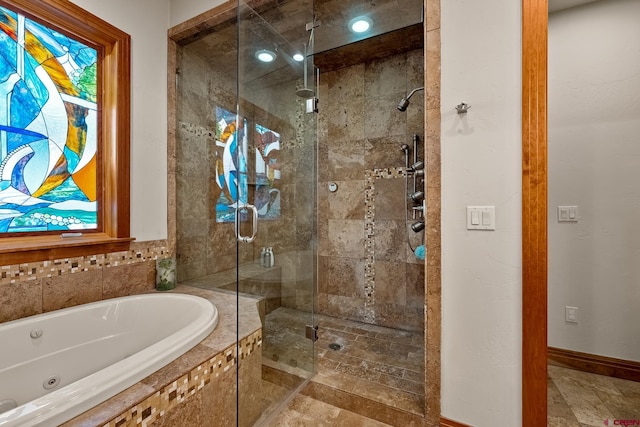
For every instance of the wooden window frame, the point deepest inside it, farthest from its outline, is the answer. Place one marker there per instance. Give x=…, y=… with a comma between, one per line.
x=113, y=137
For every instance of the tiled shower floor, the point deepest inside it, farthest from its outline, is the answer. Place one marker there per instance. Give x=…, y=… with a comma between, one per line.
x=378, y=363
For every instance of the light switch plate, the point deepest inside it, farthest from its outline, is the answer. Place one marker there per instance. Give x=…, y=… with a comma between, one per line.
x=567, y=214
x=481, y=217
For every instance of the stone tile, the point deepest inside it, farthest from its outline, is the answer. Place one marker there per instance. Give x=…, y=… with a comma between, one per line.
x=313, y=408
x=385, y=152
x=341, y=276
x=415, y=285
x=391, y=199
x=583, y=380
x=345, y=104
x=622, y=407
x=553, y=421
x=432, y=14
x=21, y=299
x=345, y=203
x=558, y=409
x=390, y=241
x=102, y=413
x=351, y=419
x=390, y=285
x=627, y=388
x=123, y=280
x=587, y=407
x=387, y=76
x=175, y=369
x=191, y=200
x=341, y=237
x=433, y=68
x=186, y=414
x=292, y=418
x=216, y=396
x=71, y=289
x=415, y=122
x=415, y=69
x=415, y=387
x=341, y=162
x=348, y=307
x=382, y=118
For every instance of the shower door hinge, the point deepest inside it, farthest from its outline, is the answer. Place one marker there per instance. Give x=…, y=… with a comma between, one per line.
x=312, y=105
x=312, y=332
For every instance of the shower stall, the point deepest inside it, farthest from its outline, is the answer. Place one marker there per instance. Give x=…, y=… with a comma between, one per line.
x=294, y=187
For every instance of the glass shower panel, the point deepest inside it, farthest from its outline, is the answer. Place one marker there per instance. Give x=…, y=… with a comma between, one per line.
x=274, y=171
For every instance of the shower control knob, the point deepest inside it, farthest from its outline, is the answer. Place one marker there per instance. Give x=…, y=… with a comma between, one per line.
x=333, y=187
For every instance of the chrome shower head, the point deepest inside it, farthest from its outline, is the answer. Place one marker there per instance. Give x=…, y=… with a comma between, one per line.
x=404, y=102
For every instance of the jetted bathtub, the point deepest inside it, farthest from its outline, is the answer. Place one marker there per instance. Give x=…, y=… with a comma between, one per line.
x=56, y=365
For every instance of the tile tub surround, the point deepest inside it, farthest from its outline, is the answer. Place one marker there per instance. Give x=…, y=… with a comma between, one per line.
x=38, y=287
x=194, y=387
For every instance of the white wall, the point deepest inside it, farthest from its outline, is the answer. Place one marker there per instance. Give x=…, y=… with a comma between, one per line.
x=147, y=22
x=594, y=163
x=481, y=165
x=182, y=10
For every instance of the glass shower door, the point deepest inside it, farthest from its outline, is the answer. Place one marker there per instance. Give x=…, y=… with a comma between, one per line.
x=275, y=173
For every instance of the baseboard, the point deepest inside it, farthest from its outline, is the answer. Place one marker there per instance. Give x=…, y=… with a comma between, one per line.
x=444, y=422
x=609, y=366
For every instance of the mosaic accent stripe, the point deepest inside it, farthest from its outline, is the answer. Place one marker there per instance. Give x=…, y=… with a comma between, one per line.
x=370, y=176
x=171, y=395
x=43, y=269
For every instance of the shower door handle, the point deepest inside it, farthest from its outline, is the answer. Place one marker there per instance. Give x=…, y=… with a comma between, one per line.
x=254, y=229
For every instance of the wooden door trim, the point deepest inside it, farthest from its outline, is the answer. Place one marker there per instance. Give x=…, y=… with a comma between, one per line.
x=534, y=212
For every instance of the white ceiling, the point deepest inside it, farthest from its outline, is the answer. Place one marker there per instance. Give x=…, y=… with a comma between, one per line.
x=556, y=5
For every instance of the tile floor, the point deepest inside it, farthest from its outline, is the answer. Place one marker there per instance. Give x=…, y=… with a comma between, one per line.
x=378, y=363
x=304, y=411
x=581, y=399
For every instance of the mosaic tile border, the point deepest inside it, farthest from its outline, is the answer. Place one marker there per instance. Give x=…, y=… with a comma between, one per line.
x=370, y=176
x=171, y=395
x=140, y=252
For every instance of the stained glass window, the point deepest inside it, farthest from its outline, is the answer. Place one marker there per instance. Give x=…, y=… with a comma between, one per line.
x=237, y=181
x=267, y=196
x=231, y=165
x=48, y=129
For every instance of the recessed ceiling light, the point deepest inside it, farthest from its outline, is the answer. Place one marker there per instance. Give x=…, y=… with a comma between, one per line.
x=360, y=24
x=298, y=57
x=265, y=55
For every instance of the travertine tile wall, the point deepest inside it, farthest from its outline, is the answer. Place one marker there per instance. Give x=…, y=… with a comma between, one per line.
x=205, y=247
x=367, y=272
x=198, y=237
x=38, y=287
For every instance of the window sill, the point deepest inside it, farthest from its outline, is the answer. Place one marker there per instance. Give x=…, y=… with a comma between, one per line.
x=32, y=249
